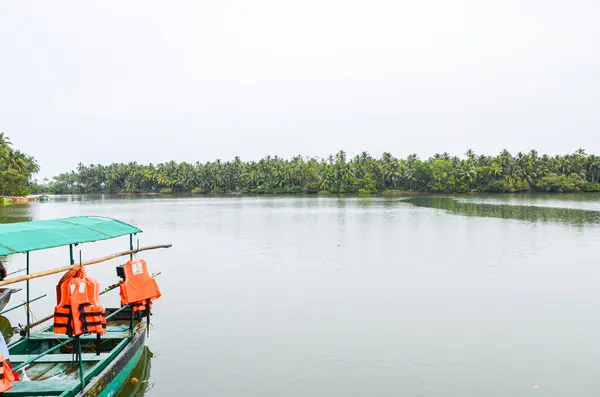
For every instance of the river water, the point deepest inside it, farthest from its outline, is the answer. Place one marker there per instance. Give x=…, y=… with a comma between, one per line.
x=405, y=296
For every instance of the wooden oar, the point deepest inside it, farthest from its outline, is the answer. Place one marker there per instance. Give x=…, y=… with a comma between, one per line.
x=23, y=330
x=86, y=263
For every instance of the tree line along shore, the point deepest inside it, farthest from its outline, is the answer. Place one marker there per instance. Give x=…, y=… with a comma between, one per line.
x=339, y=174
x=16, y=169
x=336, y=174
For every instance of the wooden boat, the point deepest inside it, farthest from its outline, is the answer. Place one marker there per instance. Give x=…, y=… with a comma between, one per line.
x=52, y=364
x=43, y=198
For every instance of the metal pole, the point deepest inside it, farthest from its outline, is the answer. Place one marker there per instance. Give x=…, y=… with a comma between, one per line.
x=15, y=272
x=21, y=305
x=131, y=258
x=77, y=339
x=132, y=321
x=115, y=312
x=28, y=315
x=80, y=362
x=131, y=246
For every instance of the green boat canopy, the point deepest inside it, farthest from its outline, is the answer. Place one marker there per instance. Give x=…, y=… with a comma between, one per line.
x=38, y=235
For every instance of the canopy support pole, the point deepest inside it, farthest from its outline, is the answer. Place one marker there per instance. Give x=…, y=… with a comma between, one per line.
x=81, y=377
x=131, y=246
x=131, y=320
x=28, y=315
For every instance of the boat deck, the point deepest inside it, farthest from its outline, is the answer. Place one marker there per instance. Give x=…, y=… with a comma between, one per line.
x=57, y=358
x=54, y=388
x=57, y=373
x=119, y=332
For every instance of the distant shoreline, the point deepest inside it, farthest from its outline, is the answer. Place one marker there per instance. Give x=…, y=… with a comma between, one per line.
x=20, y=200
x=340, y=174
x=385, y=193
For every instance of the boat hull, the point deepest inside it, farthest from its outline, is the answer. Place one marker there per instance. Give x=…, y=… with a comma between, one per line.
x=112, y=379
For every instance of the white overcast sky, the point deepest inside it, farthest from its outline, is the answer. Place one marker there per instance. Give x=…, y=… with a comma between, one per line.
x=151, y=81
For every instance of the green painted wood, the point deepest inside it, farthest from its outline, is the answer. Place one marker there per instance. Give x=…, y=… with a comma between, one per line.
x=119, y=381
x=101, y=366
x=98, y=365
x=117, y=328
x=53, y=336
x=38, y=356
x=17, y=343
x=64, y=388
x=98, y=368
x=57, y=358
x=110, y=328
x=49, y=388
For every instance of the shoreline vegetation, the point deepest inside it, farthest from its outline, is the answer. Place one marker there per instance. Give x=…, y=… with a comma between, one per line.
x=16, y=170
x=338, y=174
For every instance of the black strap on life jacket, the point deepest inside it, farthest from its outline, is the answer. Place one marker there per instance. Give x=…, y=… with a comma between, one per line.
x=68, y=327
x=62, y=314
x=84, y=321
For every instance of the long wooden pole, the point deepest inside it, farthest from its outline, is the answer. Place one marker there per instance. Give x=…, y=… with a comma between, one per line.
x=86, y=263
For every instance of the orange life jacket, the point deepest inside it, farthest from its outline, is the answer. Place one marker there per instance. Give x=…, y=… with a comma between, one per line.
x=139, y=288
x=63, y=317
x=71, y=273
x=78, y=310
x=6, y=375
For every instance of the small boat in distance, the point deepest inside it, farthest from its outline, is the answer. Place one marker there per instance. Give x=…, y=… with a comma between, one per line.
x=5, y=294
x=51, y=363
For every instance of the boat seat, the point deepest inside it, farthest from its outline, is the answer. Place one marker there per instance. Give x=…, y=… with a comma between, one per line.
x=52, y=335
x=44, y=388
x=56, y=358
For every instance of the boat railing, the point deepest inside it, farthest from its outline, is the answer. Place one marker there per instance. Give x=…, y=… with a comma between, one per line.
x=116, y=311
x=22, y=304
x=45, y=352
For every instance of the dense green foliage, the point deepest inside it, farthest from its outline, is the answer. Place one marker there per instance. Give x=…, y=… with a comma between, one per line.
x=16, y=169
x=362, y=174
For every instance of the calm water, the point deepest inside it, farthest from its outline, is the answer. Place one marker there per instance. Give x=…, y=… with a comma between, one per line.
x=407, y=296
